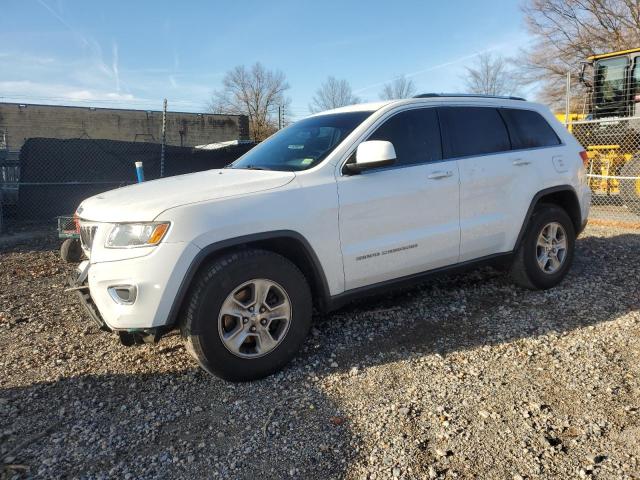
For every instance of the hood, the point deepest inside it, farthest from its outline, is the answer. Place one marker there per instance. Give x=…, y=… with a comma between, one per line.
x=145, y=201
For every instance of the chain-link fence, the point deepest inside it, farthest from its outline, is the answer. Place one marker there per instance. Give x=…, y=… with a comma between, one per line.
x=613, y=169
x=51, y=158
x=603, y=113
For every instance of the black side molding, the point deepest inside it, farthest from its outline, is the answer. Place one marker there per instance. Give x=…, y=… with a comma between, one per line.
x=338, y=301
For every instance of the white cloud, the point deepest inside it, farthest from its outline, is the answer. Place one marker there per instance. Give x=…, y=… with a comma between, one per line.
x=92, y=73
x=434, y=67
x=114, y=66
x=39, y=92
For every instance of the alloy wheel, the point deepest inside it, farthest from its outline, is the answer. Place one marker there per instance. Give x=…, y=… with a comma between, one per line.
x=254, y=318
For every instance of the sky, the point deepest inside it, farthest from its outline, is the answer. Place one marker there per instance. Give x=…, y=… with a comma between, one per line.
x=133, y=54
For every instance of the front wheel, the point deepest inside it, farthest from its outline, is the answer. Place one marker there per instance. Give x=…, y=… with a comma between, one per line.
x=546, y=251
x=247, y=315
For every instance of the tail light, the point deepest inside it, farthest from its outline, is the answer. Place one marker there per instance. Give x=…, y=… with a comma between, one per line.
x=585, y=158
x=76, y=222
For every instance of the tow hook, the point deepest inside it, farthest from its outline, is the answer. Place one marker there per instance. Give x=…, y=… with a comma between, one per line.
x=139, y=337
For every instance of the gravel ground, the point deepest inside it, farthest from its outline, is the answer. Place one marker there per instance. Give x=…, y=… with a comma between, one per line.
x=464, y=377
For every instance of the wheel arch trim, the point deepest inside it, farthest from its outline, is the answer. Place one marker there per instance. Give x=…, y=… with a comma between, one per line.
x=317, y=271
x=534, y=202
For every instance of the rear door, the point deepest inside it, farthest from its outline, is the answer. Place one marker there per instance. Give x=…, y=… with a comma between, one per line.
x=477, y=137
x=403, y=219
x=538, y=156
x=503, y=155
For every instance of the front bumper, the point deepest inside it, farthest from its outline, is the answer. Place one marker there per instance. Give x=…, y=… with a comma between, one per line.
x=78, y=285
x=156, y=277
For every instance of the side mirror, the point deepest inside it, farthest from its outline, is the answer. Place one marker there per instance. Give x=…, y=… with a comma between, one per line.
x=372, y=154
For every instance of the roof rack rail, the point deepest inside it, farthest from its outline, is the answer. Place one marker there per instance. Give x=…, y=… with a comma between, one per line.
x=468, y=95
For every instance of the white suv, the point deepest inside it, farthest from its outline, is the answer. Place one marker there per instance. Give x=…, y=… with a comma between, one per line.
x=341, y=204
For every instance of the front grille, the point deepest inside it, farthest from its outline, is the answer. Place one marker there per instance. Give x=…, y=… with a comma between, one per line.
x=87, y=233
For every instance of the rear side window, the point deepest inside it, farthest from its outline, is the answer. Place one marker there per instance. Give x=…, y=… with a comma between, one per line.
x=415, y=135
x=528, y=129
x=473, y=131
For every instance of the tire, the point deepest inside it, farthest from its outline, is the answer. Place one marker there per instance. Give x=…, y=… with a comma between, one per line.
x=629, y=189
x=526, y=270
x=71, y=250
x=223, y=286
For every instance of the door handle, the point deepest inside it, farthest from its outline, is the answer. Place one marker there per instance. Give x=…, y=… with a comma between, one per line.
x=520, y=163
x=439, y=174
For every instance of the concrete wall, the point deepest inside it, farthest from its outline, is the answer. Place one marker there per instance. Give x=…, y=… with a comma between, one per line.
x=18, y=122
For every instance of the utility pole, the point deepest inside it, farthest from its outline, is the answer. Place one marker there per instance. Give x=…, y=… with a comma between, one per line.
x=567, y=105
x=164, y=136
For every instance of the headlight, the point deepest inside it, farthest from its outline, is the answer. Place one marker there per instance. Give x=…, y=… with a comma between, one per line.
x=131, y=235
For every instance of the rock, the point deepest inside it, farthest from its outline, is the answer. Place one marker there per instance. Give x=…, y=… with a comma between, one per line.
x=337, y=420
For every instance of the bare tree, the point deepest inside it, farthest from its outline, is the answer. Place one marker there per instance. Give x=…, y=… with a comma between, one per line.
x=491, y=75
x=255, y=92
x=566, y=32
x=401, y=87
x=333, y=93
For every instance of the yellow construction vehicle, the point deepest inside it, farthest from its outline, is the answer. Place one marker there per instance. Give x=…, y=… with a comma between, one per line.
x=609, y=125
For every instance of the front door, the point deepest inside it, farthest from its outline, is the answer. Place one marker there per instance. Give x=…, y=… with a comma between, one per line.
x=404, y=219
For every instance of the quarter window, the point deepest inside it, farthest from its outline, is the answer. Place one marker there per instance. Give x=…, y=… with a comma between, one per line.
x=415, y=135
x=528, y=129
x=473, y=131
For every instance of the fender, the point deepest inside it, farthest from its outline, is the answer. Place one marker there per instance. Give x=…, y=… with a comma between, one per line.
x=536, y=199
x=320, y=279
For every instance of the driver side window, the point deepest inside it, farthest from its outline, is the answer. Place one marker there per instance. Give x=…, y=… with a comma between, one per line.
x=415, y=135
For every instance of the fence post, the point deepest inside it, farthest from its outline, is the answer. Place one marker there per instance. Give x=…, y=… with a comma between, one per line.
x=164, y=136
x=1, y=215
x=139, y=172
x=567, y=105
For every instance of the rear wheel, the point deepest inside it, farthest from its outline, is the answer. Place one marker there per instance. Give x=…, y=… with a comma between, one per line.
x=546, y=251
x=247, y=315
x=630, y=187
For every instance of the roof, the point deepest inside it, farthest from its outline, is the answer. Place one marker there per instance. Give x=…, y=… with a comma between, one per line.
x=438, y=98
x=613, y=54
x=358, y=107
x=467, y=95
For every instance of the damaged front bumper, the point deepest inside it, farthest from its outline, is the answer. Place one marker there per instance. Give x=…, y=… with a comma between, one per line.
x=79, y=286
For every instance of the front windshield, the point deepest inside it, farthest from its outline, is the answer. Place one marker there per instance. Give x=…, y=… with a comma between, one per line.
x=303, y=144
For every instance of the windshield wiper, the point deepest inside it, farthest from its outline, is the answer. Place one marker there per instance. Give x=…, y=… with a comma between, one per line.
x=254, y=167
